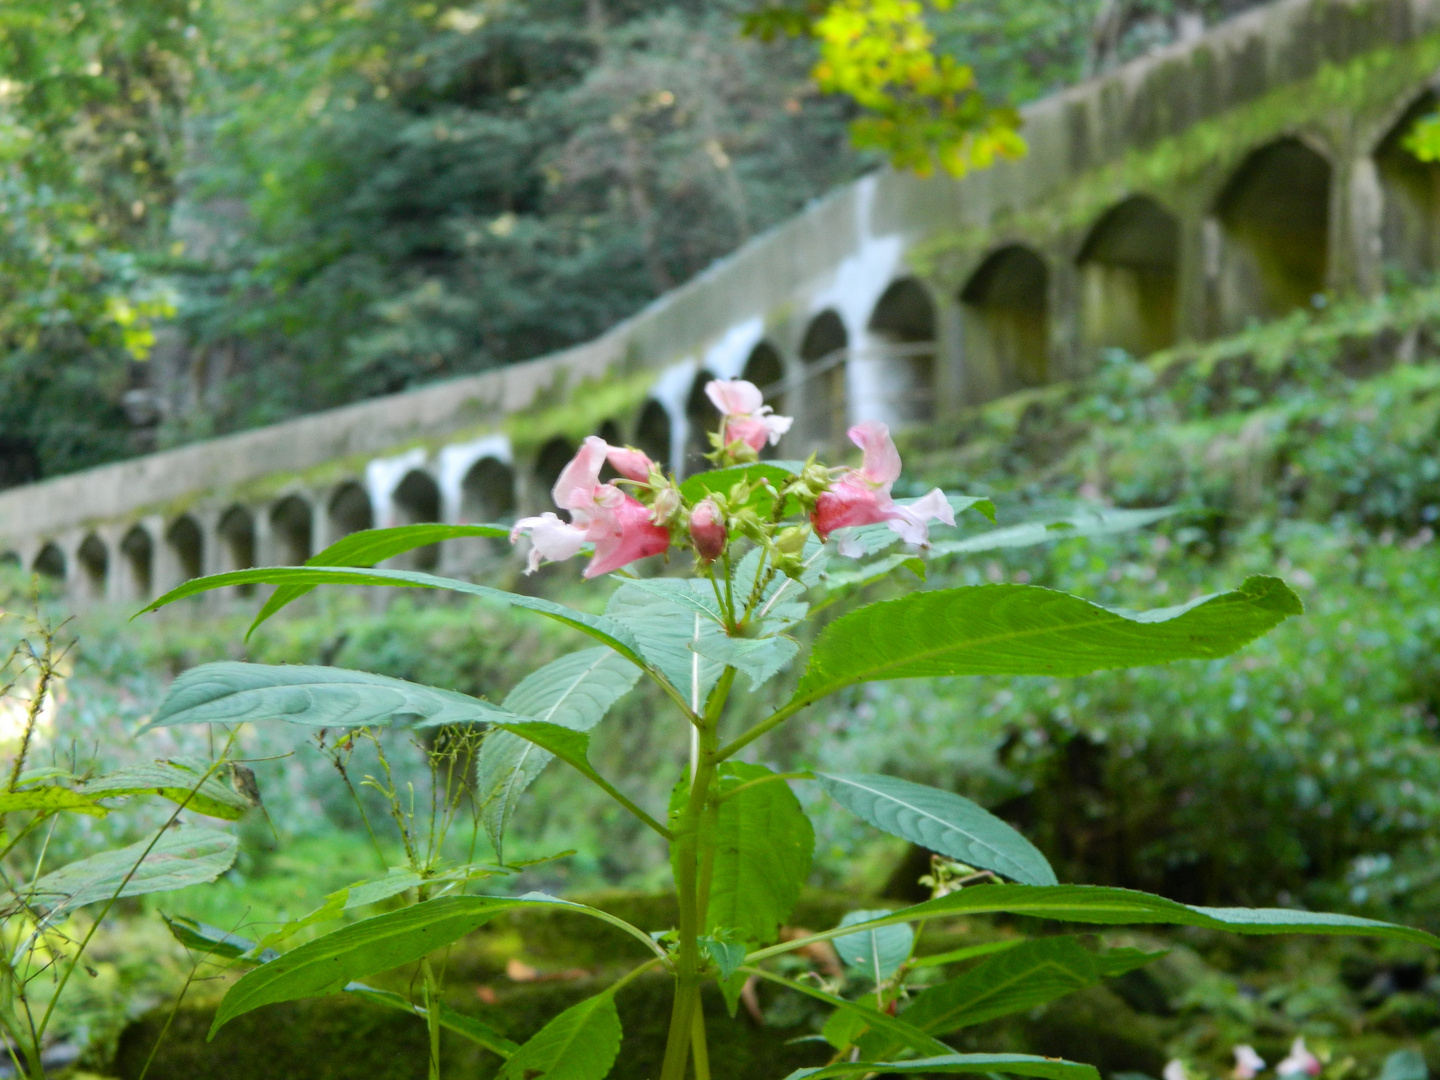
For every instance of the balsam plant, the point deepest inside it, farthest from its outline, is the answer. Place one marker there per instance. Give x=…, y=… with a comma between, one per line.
x=762, y=539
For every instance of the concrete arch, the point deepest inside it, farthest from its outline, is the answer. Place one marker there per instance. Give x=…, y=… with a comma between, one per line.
x=10, y=558
x=187, y=547
x=1410, y=199
x=235, y=532
x=137, y=548
x=653, y=432
x=349, y=510
x=50, y=562
x=1274, y=230
x=1130, y=279
x=94, y=559
x=901, y=357
x=487, y=493
x=701, y=418
x=292, y=531
x=1005, y=315
x=824, y=352
x=416, y=501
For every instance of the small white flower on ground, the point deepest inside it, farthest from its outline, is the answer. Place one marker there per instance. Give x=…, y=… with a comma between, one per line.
x=1247, y=1062
x=1301, y=1061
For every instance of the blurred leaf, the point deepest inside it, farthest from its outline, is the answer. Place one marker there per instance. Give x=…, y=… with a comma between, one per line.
x=580, y=1043
x=50, y=800
x=208, y=795
x=988, y=1064
x=877, y=954
x=179, y=858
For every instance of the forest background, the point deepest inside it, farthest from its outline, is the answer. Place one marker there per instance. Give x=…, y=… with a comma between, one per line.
x=215, y=215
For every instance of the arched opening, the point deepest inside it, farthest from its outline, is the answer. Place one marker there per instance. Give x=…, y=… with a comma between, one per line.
x=1410, y=221
x=417, y=501
x=549, y=462
x=188, y=547
x=701, y=418
x=487, y=494
x=11, y=559
x=824, y=350
x=1129, y=279
x=1006, y=312
x=94, y=562
x=349, y=511
x=903, y=377
x=766, y=370
x=292, y=527
x=50, y=562
x=139, y=553
x=652, y=433
x=236, y=533
x=1274, y=219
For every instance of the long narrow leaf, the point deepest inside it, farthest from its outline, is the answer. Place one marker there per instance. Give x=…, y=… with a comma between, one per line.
x=179, y=858
x=989, y=1064
x=368, y=547
x=1028, y=630
x=1119, y=907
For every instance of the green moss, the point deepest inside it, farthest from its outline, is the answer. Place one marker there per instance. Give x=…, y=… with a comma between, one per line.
x=574, y=413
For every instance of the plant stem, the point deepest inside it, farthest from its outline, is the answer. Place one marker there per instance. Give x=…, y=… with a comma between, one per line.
x=699, y=1052
x=432, y=1015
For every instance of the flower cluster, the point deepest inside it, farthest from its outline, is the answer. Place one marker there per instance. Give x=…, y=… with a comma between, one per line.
x=643, y=512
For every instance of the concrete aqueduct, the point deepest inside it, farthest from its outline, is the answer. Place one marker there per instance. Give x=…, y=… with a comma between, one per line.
x=1251, y=171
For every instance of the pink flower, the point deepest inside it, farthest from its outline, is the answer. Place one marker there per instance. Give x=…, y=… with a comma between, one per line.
x=601, y=514
x=745, y=416
x=1247, y=1063
x=1301, y=1061
x=707, y=530
x=630, y=463
x=862, y=496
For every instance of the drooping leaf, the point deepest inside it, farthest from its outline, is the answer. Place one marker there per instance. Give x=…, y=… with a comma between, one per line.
x=326, y=964
x=940, y=821
x=226, y=946
x=1121, y=907
x=467, y=1027
x=878, y=954
x=50, y=800
x=208, y=795
x=1028, y=630
x=664, y=632
x=968, y=952
x=575, y=691
x=893, y=1028
x=1030, y=974
x=1086, y=524
x=727, y=955
x=179, y=858
x=759, y=658
x=603, y=630
x=368, y=547
x=230, y=692
x=580, y=1043
x=1013, y=1064
x=763, y=846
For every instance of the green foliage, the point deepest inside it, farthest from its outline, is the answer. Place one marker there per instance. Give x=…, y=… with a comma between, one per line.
x=940, y=821
x=878, y=954
x=581, y=1043
x=1016, y=1064
x=763, y=843
x=178, y=858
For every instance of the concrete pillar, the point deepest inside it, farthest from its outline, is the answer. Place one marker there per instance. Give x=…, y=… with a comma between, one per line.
x=1360, y=211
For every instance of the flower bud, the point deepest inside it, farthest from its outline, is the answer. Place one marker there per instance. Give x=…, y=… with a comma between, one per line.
x=630, y=463
x=707, y=530
x=665, y=504
x=790, y=541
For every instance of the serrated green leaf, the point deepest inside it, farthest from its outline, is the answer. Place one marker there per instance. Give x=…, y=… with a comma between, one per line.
x=759, y=658
x=231, y=692
x=604, y=630
x=208, y=795
x=877, y=954
x=1028, y=630
x=763, y=846
x=50, y=800
x=1030, y=974
x=326, y=964
x=1013, y=1064
x=179, y=858
x=940, y=821
x=1122, y=907
x=368, y=547
x=580, y=1043
x=664, y=632
x=575, y=691
x=727, y=955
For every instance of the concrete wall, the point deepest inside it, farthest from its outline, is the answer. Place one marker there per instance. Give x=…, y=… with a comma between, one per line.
x=1230, y=178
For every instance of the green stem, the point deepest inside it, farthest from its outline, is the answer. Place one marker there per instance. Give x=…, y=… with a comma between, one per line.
x=804, y=775
x=432, y=1015
x=699, y=1051
x=765, y=726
